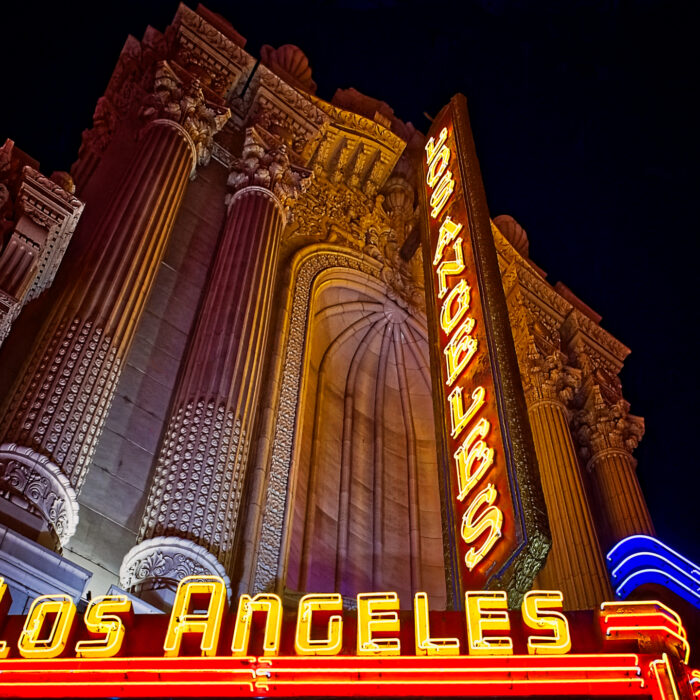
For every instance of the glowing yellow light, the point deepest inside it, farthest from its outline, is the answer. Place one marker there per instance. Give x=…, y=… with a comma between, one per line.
x=460, y=418
x=99, y=621
x=5, y=600
x=458, y=298
x=425, y=644
x=376, y=612
x=438, y=165
x=447, y=233
x=333, y=642
x=441, y=194
x=263, y=602
x=460, y=350
x=432, y=147
x=487, y=611
x=31, y=645
x=470, y=453
x=207, y=623
x=449, y=268
x=538, y=614
x=474, y=526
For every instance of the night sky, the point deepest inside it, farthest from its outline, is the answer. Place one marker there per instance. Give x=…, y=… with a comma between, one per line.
x=586, y=123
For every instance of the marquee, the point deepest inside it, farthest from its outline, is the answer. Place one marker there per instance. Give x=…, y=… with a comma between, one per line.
x=629, y=649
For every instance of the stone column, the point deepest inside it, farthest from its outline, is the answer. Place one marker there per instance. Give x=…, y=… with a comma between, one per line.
x=59, y=403
x=192, y=512
x=575, y=564
x=607, y=435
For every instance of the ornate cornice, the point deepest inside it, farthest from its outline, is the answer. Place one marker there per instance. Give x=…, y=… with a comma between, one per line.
x=161, y=562
x=32, y=480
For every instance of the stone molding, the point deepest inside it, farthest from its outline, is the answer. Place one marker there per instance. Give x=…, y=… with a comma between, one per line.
x=267, y=168
x=163, y=561
x=41, y=487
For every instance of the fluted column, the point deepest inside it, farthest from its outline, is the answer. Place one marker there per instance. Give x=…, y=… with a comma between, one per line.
x=59, y=404
x=575, y=564
x=607, y=435
x=194, y=501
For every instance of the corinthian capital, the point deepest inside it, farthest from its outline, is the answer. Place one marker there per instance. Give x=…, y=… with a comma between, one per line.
x=182, y=100
x=601, y=425
x=548, y=378
x=267, y=167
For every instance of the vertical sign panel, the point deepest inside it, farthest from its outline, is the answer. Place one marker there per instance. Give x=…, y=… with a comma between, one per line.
x=497, y=527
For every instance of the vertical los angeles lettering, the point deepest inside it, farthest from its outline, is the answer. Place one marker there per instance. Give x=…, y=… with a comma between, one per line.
x=471, y=434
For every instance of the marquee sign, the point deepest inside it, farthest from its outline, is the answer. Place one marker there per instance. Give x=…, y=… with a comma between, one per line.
x=637, y=649
x=492, y=492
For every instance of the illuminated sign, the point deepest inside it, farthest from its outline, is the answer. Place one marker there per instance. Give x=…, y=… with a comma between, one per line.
x=262, y=651
x=490, y=520
x=641, y=559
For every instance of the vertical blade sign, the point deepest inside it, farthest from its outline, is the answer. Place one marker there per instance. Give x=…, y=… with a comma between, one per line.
x=483, y=500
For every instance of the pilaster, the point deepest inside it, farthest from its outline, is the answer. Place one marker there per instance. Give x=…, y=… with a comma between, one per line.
x=59, y=402
x=201, y=468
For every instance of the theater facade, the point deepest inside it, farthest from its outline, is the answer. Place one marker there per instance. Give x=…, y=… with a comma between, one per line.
x=286, y=413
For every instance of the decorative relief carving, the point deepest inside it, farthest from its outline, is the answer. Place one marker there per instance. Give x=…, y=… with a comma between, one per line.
x=38, y=485
x=601, y=426
x=65, y=394
x=196, y=490
x=548, y=378
x=270, y=543
x=185, y=104
x=262, y=166
x=161, y=562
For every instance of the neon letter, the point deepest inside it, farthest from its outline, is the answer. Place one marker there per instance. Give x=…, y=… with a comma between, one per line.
x=425, y=645
x=534, y=617
x=438, y=165
x=5, y=601
x=450, y=268
x=473, y=525
x=460, y=350
x=447, y=233
x=441, y=194
x=333, y=643
x=98, y=621
x=263, y=602
x=31, y=645
x=467, y=454
x=431, y=147
x=461, y=294
x=207, y=623
x=480, y=619
x=458, y=416
x=376, y=613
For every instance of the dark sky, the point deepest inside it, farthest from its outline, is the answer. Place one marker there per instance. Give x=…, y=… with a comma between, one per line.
x=586, y=123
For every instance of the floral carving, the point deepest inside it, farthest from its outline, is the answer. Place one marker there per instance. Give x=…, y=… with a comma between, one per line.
x=548, y=378
x=38, y=484
x=162, y=561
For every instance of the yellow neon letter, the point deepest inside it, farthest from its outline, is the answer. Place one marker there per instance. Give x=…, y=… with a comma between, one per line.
x=332, y=644
x=461, y=294
x=533, y=616
x=448, y=268
x=447, y=233
x=467, y=454
x=458, y=416
x=493, y=616
x=373, y=615
x=438, y=165
x=425, y=645
x=207, y=623
x=460, y=350
x=98, y=621
x=441, y=194
x=31, y=645
x=473, y=526
x=5, y=601
x=431, y=148
x=263, y=602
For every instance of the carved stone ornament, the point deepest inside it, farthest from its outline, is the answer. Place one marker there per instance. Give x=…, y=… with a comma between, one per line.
x=548, y=378
x=268, y=168
x=290, y=63
x=36, y=484
x=184, y=103
x=601, y=426
x=163, y=561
